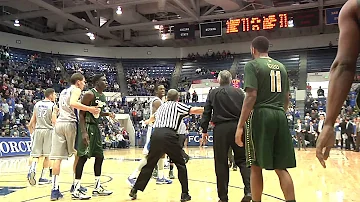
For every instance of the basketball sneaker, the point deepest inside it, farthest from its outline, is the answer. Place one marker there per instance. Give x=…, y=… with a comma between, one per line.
x=56, y=195
x=79, y=195
x=100, y=191
x=43, y=181
x=163, y=181
x=185, y=197
x=131, y=181
x=31, y=178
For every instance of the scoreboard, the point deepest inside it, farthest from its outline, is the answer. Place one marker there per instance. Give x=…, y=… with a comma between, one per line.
x=247, y=24
x=305, y=18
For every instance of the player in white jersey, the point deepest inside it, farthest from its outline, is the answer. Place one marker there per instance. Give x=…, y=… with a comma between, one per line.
x=63, y=140
x=155, y=103
x=41, y=126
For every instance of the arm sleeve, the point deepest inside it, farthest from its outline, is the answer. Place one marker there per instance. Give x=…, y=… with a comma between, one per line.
x=182, y=108
x=250, y=79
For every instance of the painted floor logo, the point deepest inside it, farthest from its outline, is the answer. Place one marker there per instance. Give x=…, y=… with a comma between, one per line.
x=8, y=190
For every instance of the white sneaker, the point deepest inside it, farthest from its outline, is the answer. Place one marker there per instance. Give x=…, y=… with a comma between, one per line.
x=79, y=195
x=100, y=191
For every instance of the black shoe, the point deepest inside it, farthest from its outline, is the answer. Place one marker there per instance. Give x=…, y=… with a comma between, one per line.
x=133, y=194
x=185, y=197
x=246, y=198
x=187, y=158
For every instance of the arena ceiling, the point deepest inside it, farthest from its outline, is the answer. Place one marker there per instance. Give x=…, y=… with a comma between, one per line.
x=71, y=20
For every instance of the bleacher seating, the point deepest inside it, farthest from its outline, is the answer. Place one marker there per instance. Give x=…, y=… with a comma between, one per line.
x=189, y=68
x=320, y=60
x=92, y=66
x=143, y=74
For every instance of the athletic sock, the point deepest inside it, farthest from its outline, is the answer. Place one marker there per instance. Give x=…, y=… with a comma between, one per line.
x=134, y=174
x=74, y=179
x=33, y=166
x=142, y=163
x=55, y=182
x=97, y=182
x=171, y=167
x=160, y=174
x=76, y=184
x=50, y=172
x=42, y=173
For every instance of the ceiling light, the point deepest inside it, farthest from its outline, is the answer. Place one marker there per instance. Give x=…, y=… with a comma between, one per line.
x=156, y=26
x=163, y=37
x=17, y=23
x=119, y=10
x=91, y=35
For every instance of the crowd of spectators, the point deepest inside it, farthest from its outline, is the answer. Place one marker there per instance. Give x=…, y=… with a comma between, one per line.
x=90, y=67
x=141, y=84
x=307, y=127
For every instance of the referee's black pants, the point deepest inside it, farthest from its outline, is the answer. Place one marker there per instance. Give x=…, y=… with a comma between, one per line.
x=224, y=138
x=163, y=141
x=182, y=138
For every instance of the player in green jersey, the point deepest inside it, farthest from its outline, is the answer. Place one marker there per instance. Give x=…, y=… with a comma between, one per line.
x=89, y=142
x=267, y=139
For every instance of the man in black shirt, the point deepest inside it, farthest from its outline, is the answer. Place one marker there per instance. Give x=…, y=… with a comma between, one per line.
x=225, y=103
x=164, y=140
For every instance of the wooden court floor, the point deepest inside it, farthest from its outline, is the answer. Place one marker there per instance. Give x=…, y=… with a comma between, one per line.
x=338, y=183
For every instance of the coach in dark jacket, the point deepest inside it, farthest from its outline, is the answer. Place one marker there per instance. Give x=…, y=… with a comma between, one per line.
x=225, y=104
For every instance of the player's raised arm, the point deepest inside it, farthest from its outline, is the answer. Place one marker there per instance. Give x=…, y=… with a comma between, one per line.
x=75, y=95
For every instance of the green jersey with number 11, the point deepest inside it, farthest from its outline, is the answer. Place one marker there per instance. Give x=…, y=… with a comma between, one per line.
x=270, y=79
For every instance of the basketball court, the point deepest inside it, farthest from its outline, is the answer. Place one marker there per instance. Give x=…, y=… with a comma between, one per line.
x=337, y=183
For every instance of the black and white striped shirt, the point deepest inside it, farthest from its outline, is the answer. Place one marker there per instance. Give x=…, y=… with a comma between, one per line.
x=170, y=114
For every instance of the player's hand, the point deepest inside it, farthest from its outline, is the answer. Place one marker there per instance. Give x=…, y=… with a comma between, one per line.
x=205, y=137
x=85, y=138
x=324, y=144
x=238, y=137
x=147, y=122
x=94, y=110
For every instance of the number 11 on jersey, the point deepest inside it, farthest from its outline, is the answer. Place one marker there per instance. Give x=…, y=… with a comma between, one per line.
x=275, y=81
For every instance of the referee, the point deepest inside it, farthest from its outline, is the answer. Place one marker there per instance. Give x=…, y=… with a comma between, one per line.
x=164, y=140
x=225, y=103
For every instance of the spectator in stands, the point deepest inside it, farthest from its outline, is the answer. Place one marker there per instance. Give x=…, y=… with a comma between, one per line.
x=188, y=96
x=300, y=134
x=195, y=97
x=349, y=131
x=320, y=92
